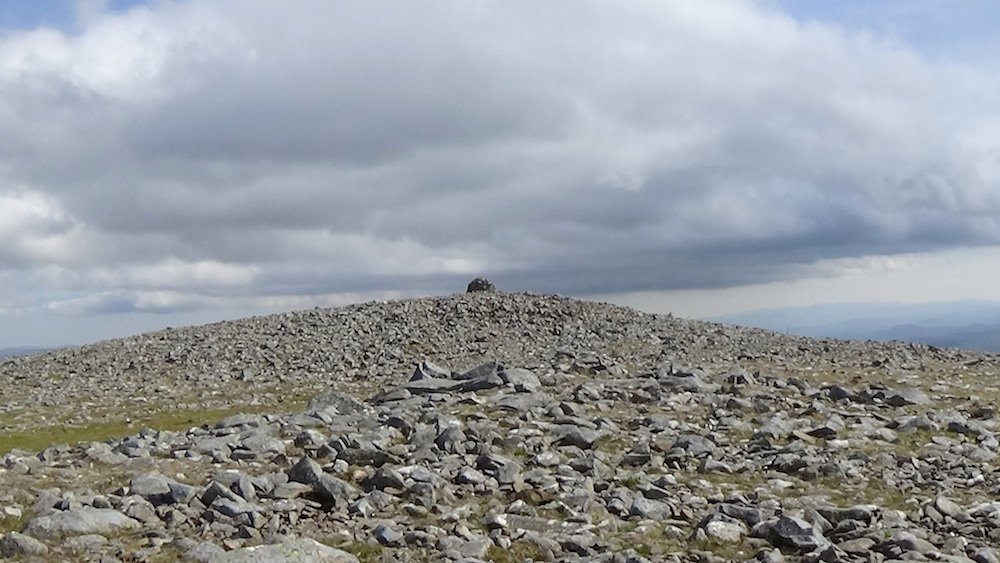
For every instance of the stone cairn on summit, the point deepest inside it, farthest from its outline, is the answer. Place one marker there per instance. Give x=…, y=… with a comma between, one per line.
x=480, y=284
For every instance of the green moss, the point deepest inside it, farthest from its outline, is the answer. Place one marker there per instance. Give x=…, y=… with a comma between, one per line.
x=14, y=524
x=518, y=552
x=631, y=481
x=364, y=552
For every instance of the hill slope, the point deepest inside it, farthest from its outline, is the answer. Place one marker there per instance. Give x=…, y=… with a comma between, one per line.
x=587, y=432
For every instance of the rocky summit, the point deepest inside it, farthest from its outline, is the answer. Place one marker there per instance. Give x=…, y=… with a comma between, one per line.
x=492, y=426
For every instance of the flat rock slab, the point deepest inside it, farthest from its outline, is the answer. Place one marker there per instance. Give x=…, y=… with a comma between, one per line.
x=301, y=550
x=80, y=521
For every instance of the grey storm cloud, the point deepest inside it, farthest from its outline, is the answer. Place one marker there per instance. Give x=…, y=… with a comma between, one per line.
x=198, y=150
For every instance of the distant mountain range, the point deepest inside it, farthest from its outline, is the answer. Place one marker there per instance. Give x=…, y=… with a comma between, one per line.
x=19, y=351
x=973, y=325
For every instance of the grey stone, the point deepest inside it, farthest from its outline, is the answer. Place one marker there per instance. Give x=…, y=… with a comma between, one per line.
x=429, y=386
x=14, y=544
x=746, y=514
x=948, y=507
x=646, y=508
x=335, y=490
x=694, y=445
x=263, y=444
x=861, y=513
x=475, y=547
x=469, y=476
x=340, y=402
x=569, y=435
x=153, y=487
x=522, y=380
x=387, y=536
x=482, y=383
x=726, y=532
x=182, y=493
x=907, y=541
x=859, y=545
x=200, y=552
x=80, y=521
x=233, y=508
x=384, y=478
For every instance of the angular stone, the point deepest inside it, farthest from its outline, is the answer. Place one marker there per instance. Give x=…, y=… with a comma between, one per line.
x=387, y=536
x=485, y=369
x=305, y=471
x=80, y=521
x=262, y=444
x=429, y=370
x=233, y=508
x=329, y=488
x=947, y=506
x=694, y=445
x=469, y=476
x=429, y=386
x=907, y=396
x=646, y=508
x=569, y=435
x=384, y=478
x=153, y=487
x=859, y=545
x=522, y=380
x=489, y=381
x=796, y=534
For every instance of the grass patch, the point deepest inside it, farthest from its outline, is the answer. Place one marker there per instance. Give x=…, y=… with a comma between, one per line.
x=517, y=552
x=39, y=438
x=364, y=552
x=14, y=524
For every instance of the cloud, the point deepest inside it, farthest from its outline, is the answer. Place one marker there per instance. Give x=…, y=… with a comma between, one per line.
x=293, y=150
x=113, y=302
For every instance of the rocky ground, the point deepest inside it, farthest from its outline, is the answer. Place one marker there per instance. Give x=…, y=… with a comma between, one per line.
x=502, y=427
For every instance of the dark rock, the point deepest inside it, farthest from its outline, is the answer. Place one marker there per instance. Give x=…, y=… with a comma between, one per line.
x=569, y=435
x=430, y=370
x=794, y=533
x=480, y=284
x=306, y=471
x=908, y=396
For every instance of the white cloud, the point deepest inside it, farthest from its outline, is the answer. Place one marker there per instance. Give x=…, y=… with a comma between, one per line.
x=176, y=273
x=35, y=228
x=275, y=150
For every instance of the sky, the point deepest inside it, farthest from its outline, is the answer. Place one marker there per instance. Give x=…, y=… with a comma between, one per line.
x=171, y=162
